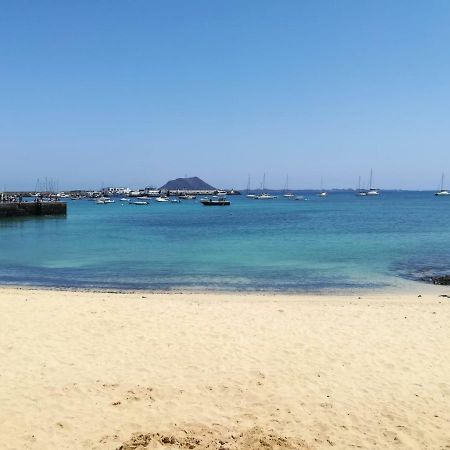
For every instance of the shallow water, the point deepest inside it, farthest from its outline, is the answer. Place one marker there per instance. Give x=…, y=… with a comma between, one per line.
x=338, y=242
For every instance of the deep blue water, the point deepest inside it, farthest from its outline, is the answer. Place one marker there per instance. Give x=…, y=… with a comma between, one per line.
x=338, y=242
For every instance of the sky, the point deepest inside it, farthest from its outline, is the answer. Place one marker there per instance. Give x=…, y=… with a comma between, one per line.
x=136, y=92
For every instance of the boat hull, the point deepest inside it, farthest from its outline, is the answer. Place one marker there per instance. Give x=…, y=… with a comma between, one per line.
x=215, y=203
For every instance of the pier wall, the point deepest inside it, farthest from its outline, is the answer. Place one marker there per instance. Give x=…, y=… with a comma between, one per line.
x=27, y=209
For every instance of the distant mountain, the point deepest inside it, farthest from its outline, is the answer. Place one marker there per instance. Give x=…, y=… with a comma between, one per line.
x=192, y=184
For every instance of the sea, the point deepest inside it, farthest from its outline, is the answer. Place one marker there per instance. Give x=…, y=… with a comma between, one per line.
x=341, y=242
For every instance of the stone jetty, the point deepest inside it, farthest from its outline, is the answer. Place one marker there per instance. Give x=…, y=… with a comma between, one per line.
x=28, y=209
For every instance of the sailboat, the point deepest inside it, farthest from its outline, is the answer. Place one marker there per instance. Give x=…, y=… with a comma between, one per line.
x=322, y=193
x=264, y=195
x=248, y=189
x=442, y=191
x=372, y=191
x=360, y=192
x=287, y=194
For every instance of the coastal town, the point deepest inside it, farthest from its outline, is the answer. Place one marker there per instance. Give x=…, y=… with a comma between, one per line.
x=193, y=186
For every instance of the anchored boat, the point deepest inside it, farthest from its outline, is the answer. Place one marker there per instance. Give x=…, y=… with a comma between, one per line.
x=442, y=191
x=264, y=195
x=139, y=202
x=162, y=199
x=323, y=192
x=215, y=201
x=104, y=200
x=287, y=193
x=372, y=191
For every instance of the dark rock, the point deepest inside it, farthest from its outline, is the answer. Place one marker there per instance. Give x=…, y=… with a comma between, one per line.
x=441, y=280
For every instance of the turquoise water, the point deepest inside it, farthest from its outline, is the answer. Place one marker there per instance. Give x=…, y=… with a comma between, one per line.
x=338, y=242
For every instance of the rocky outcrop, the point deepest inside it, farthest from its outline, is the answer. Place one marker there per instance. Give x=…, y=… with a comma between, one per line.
x=443, y=280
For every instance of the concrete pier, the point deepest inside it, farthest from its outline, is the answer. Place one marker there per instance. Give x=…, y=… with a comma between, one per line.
x=29, y=209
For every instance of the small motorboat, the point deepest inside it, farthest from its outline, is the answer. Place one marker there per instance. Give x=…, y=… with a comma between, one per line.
x=104, y=201
x=162, y=199
x=187, y=197
x=124, y=199
x=215, y=201
x=139, y=202
x=175, y=200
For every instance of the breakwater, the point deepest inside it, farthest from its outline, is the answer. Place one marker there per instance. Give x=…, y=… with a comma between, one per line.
x=27, y=209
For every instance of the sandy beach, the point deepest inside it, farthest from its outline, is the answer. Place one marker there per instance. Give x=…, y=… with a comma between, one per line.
x=82, y=370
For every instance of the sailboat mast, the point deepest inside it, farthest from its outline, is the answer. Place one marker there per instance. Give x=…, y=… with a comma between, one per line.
x=370, y=183
x=442, y=182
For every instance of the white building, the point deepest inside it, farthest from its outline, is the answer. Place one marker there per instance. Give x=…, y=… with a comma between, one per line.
x=117, y=190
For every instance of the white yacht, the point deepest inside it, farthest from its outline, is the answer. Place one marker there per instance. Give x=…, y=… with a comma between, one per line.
x=264, y=195
x=372, y=191
x=360, y=192
x=162, y=199
x=104, y=201
x=187, y=197
x=287, y=194
x=322, y=192
x=442, y=191
x=248, y=189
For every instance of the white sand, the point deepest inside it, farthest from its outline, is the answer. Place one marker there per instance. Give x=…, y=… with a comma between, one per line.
x=87, y=370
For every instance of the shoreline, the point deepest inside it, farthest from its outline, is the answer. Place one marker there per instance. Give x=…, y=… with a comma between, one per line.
x=99, y=370
x=404, y=287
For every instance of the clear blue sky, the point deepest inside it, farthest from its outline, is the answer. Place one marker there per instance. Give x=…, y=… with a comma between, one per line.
x=137, y=92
